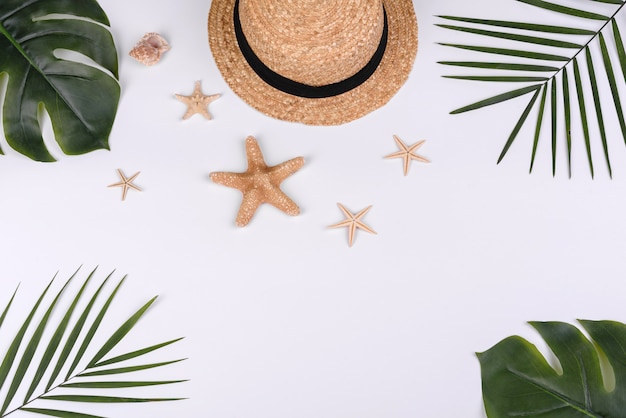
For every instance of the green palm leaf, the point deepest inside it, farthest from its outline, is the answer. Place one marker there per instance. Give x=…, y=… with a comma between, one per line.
x=568, y=123
x=538, y=126
x=22, y=354
x=518, y=381
x=134, y=354
x=80, y=97
x=104, y=399
x=522, y=25
x=583, y=114
x=130, y=369
x=515, y=37
x=565, y=10
x=61, y=414
x=117, y=384
x=553, y=105
x=567, y=43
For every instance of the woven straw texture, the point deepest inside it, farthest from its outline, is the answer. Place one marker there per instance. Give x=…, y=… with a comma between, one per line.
x=315, y=42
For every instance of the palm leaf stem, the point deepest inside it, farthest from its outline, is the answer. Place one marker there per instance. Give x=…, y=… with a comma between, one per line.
x=39, y=396
x=551, y=81
x=568, y=60
x=526, y=90
x=609, y=20
x=585, y=46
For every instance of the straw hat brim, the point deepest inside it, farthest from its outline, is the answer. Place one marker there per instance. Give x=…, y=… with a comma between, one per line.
x=375, y=92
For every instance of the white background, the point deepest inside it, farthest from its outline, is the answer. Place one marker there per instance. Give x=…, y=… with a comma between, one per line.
x=281, y=318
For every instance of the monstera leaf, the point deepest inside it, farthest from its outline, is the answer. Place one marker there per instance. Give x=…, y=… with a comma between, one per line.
x=561, y=68
x=37, y=370
x=519, y=382
x=80, y=95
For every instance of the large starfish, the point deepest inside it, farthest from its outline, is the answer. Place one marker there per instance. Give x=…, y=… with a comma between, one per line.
x=407, y=154
x=353, y=222
x=260, y=183
x=198, y=102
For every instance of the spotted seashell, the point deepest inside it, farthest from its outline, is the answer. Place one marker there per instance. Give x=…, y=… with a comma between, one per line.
x=149, y=49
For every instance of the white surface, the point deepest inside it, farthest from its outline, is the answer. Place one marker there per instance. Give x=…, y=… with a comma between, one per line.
x=281, y=318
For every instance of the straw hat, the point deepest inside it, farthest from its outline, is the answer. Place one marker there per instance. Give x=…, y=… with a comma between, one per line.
x=319, y=62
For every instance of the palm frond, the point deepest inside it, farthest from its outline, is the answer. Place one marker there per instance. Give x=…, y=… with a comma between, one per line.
x=21, y=358
x=549, y=55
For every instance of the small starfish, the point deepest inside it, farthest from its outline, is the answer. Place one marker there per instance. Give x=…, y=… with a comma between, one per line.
x=197, y=102
x=126, y=183
x=407, y=153
x=260, y=183
x=353, y=222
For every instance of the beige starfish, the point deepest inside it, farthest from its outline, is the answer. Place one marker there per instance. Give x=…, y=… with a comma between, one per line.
x=260, y=183
x=406, y=153
x=352, y=222
x=197, y=102
x=125, y=183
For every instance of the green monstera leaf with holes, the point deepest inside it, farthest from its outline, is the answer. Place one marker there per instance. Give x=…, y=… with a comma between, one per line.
x=519, y=382
x=80, y=95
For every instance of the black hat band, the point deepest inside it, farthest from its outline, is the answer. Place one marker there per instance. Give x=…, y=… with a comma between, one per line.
x=295, y=88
